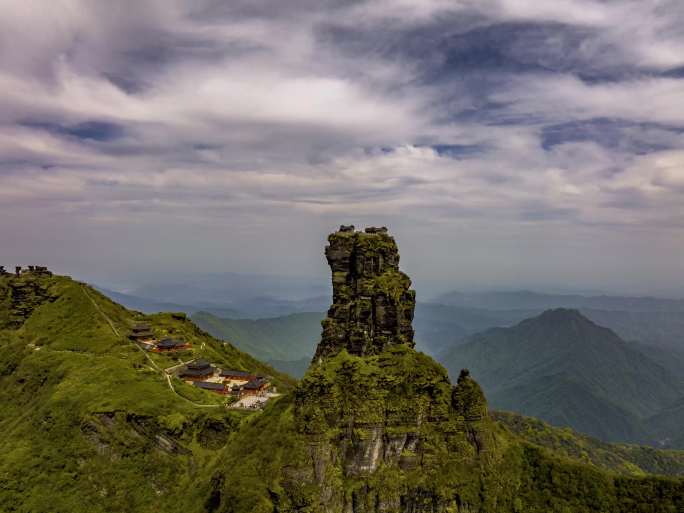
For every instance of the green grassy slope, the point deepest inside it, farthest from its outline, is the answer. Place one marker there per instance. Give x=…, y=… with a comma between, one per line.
x=88, y=422
x=567, y=370
x=625, y=459
x=279, y=340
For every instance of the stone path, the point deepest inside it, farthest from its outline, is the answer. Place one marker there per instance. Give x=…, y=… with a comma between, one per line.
x=152, y=362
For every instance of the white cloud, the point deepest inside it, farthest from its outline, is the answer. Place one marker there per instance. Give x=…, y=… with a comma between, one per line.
x=253, y=117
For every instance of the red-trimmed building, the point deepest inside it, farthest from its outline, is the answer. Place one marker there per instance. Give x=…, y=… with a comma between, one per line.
x=142, y=333
x=235, y=375
x=218, y=388
x=169, y=345
x=258, y=386
x=199, y=370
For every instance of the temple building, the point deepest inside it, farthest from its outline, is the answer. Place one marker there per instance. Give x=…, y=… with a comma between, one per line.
x=142, y=333
x=258, y=386
x=169, y=345
x=199, y=370
x=218, y=388
x=235, y=375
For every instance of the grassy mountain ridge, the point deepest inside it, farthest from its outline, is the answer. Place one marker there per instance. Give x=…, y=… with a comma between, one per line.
x=88, y=422
x=625, y=459
x=567, y=370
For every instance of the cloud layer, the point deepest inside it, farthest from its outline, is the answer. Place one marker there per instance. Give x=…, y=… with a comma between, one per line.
x=535, y=143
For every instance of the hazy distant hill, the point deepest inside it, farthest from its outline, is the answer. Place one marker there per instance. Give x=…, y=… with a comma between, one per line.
x=656, y=328
x=565, y=369
x=255, y=295
x=533, y=300
x=438, y=325
x=146, y=305
x=668, y=424
x=287, y=342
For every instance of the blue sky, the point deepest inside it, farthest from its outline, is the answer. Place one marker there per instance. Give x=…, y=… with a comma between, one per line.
x=506, y=143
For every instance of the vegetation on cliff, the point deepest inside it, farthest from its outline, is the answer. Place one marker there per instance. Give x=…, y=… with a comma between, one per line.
x=376, y=427
x=372, y=303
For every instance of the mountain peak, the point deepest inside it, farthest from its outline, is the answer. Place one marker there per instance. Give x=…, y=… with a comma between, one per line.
x=557, y=315
x=372, y=304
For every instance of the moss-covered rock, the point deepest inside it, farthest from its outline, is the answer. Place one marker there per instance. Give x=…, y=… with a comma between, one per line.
x=376, y=427
x=21, y=295
x=372, y=301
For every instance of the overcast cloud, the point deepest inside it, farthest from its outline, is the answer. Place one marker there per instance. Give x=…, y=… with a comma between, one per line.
x=506, y=143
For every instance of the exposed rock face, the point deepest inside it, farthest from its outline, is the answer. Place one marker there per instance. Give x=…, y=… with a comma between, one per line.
x=20, y=296
x=376, y=426
x=372, y=303
x=377, y=416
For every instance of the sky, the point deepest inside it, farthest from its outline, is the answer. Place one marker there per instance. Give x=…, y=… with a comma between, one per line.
x=505, y=143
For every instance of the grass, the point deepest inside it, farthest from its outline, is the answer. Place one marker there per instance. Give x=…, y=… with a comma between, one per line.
x=90, y=425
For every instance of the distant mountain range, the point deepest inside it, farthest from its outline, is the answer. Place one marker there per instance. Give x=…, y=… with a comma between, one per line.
x=259, y=307
x=254, y=295
x=438, y=323
x=567, y=370
x=584, y=377
x=525, y=299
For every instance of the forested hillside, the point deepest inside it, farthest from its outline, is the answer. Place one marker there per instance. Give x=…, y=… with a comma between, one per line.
x=565, y=369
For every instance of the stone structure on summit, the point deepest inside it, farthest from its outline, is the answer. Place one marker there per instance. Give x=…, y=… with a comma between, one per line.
x=372, y=301
x=35, y=270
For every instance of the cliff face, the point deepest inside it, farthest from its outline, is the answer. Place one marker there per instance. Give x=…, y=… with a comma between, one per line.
x=379, y=419
x=20, y=296
x=380, y=431
x=376, y=427
x=372, y=304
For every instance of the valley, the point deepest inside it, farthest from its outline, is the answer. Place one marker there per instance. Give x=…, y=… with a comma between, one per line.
x=127, y=411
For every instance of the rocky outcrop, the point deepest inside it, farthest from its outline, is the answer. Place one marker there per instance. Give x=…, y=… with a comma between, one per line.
x=372, y=302
x=376, y=427
x=20, y=296
x=372, y=409
x=468, y=399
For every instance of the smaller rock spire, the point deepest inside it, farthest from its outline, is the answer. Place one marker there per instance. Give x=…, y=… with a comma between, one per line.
x=467, y=398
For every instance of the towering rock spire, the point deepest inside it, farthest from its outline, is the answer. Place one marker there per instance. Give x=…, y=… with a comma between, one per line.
x=372, y=303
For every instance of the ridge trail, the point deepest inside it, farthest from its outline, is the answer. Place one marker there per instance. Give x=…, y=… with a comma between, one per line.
x=149, y=359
